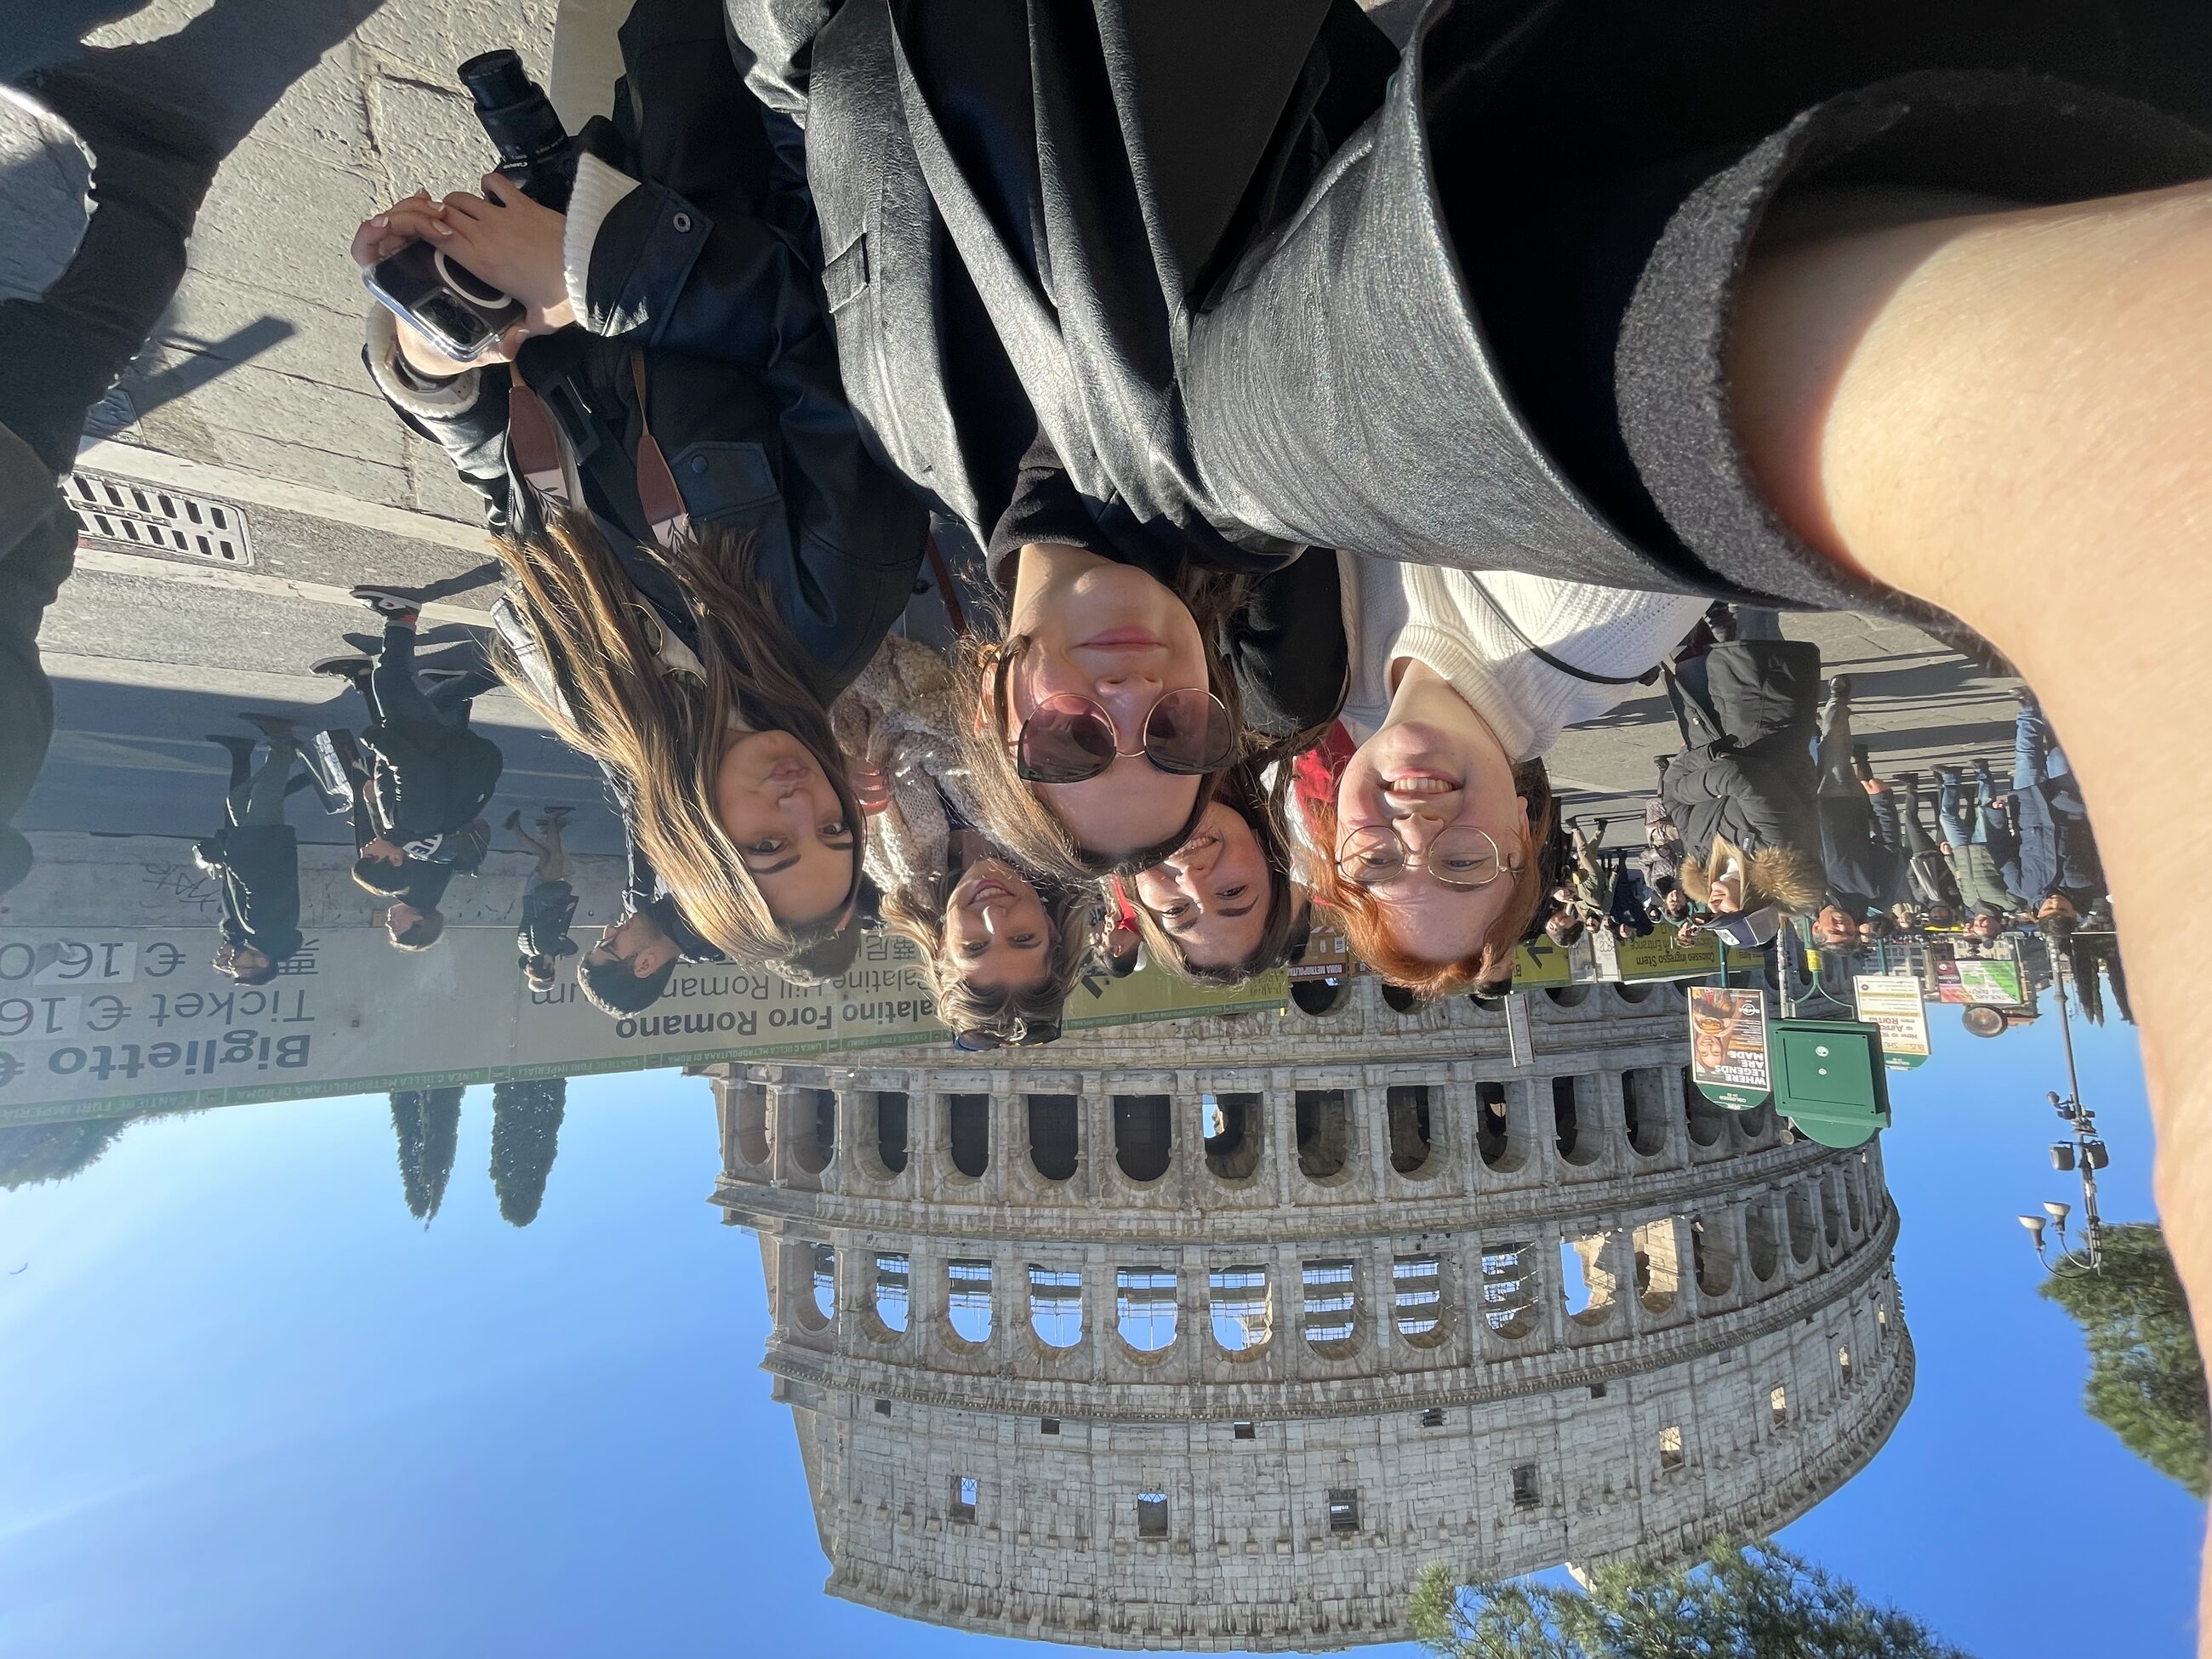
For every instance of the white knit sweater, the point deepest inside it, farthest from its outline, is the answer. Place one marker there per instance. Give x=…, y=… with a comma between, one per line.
x=1439, y=617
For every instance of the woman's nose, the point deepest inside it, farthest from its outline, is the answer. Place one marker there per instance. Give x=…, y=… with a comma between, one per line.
x=1417, y=826
x=1129, y=698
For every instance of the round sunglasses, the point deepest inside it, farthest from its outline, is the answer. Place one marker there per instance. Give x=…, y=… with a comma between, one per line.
x=1069, y=738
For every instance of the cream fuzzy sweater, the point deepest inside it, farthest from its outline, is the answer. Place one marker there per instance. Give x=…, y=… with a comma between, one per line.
x=898, y=715
x=1439, y=617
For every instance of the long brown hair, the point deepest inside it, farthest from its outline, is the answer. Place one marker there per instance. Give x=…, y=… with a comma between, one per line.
x=660, y=731
x=916, y=911
x=1241, y=791
x=1491, y=960
x=1014, y=817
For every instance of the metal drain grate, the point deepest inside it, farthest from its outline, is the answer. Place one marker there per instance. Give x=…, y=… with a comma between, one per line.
x=150, y=518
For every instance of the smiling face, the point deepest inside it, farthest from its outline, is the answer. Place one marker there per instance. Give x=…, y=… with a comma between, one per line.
x=776, y=801
x=1433, y=766
x=1211, y=894
x=1110, y=633
x=997, y=934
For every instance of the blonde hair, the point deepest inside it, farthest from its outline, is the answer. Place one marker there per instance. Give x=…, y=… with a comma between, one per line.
x=1789, y=878
x=660, y=731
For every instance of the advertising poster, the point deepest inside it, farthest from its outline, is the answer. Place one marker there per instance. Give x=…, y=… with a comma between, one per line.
x=102, y=1022
x=1892, y=1002
x=1727, y=1047
x=1327, y=955
x=1990, y=980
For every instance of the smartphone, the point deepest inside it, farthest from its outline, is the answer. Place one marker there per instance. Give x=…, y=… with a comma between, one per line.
x=455, y=309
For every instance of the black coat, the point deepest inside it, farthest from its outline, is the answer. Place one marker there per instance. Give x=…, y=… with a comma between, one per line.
x=1001, y=264
x=1745, y=769
x=2055, y=851
x=1865, y=869
x=258, y=865
x=429, y=778
x=547, y=910
x=713, y=268
x=1262, y=293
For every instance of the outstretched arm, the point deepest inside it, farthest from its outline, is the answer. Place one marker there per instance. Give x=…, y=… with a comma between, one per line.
x=2009, y=415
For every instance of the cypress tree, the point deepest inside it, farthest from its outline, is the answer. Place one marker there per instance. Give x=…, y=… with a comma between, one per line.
x=32, y=1152
x=440, y=1138
x=407, y=1130
x=525, y=1133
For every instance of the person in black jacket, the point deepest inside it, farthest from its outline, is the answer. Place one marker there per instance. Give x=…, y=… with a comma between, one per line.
x=549, y=905
x=256, y=858
x=64, y=348
x=1742, y=788
x=702, y=553
x=430, y=776
x=1862, y=865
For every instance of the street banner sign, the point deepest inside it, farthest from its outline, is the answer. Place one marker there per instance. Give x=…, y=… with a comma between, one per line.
x=1727, y=1047
x=109, y=1021
x=1892, y=1002
x=1991, y=980
x=1518, y=1032
x=1540, y=963
x=1656, y=956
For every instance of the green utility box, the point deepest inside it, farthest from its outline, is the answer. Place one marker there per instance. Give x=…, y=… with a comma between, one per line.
x=1829, y=1078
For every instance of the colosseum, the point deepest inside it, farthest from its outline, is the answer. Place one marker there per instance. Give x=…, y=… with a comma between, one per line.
x=1213, y=1334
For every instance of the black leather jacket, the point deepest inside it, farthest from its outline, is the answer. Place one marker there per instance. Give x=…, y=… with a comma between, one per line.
x=711, y=268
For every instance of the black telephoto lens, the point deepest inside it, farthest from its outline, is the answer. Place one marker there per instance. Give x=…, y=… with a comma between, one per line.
x=534, y=149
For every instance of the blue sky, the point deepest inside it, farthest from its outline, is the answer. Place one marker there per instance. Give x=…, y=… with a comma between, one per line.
x=249, y=1407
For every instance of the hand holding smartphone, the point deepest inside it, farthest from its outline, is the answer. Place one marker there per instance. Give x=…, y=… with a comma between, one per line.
x=447, y=268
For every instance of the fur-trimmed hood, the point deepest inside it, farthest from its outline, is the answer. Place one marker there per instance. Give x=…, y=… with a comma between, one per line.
x=1787, y=876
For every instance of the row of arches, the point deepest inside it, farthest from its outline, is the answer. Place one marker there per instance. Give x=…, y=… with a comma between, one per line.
x=1586, y=1121
x=1241, y=1301
x=1573, y=1286
x=1325, y=999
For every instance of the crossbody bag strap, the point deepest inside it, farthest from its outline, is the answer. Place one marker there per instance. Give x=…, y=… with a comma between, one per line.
x=1546, y=658
x=656, y=485
x=533, y=441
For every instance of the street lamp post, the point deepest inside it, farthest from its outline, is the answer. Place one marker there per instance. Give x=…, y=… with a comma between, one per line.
x=2085, y=1154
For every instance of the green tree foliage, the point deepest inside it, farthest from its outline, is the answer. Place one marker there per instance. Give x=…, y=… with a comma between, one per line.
x=526, y=1135
x=32, y=1152
x=427, y=1124
x=1752, y=1600
x=2146, y=1377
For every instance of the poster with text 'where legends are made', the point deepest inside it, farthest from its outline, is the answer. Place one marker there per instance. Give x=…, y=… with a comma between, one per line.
x=1728, y=1046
